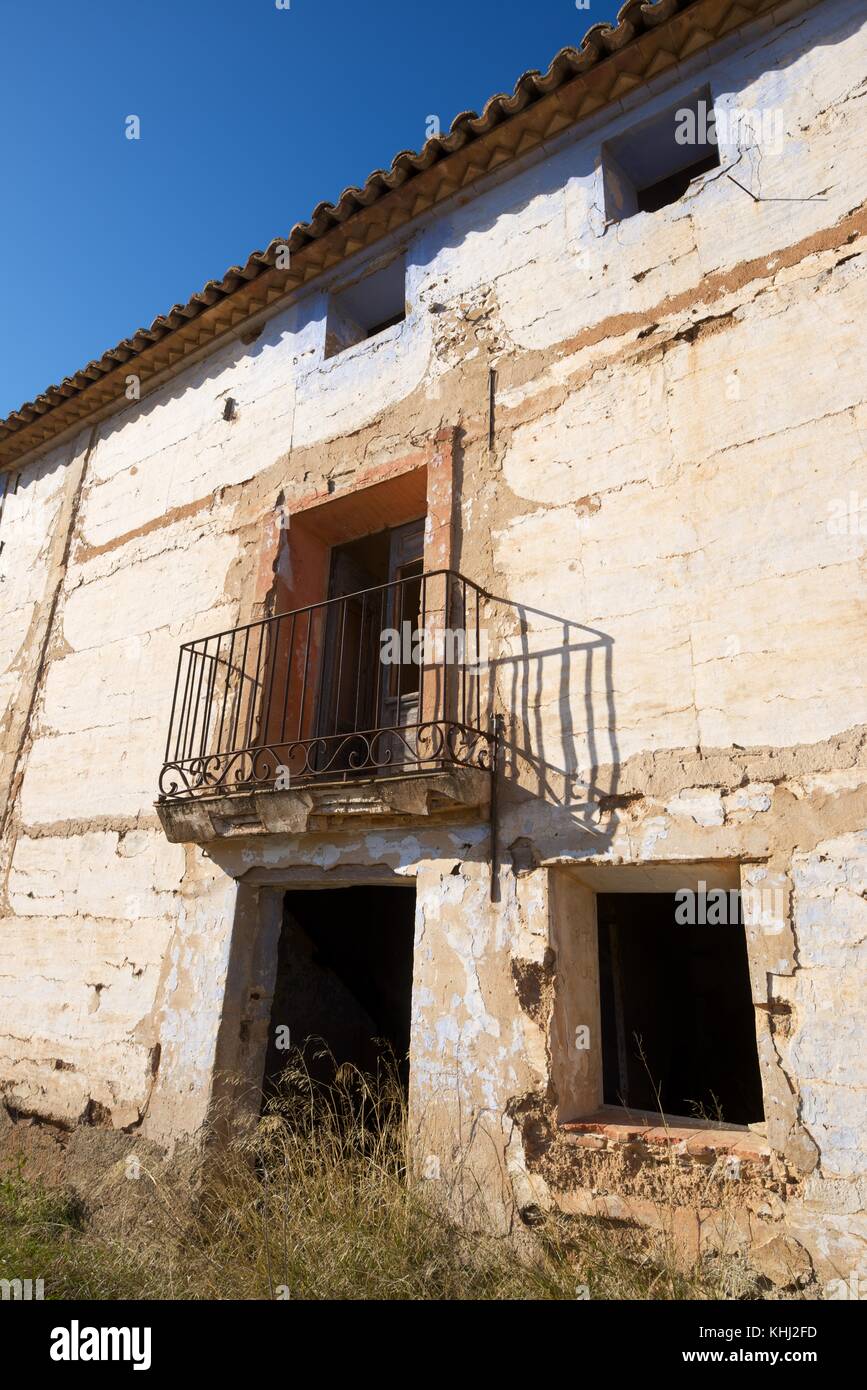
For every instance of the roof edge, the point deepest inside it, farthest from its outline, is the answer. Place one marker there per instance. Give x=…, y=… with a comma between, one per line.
x=649, y=38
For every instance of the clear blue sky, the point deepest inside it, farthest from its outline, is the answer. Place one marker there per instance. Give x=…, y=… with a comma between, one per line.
x=250, y=115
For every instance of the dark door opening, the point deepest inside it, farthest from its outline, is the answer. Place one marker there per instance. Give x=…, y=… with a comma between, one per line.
x=344, y=981
x=678, y=1022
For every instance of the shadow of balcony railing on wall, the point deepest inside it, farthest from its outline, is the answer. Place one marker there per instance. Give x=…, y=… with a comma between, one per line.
x=387, y=681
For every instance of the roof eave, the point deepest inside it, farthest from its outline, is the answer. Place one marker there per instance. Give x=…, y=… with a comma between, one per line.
x=648, y=40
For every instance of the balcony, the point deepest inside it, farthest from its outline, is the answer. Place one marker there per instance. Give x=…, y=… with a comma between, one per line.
x=374, y=704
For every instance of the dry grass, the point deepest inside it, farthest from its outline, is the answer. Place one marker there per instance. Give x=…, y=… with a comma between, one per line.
x=313, y=1203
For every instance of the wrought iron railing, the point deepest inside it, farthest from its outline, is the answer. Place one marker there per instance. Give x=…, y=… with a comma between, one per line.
x=387, y=680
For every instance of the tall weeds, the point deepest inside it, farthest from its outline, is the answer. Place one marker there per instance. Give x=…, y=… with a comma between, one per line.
x=313, y=1202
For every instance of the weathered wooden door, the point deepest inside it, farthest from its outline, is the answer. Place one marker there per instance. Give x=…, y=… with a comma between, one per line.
x=347, y=704
x=402, y=680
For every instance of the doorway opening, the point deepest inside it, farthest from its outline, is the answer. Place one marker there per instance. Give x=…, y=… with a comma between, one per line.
x=343, y=989
x=375, y=585
x=678, y=1022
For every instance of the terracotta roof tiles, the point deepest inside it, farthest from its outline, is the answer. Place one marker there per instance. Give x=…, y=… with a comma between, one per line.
x=642, y=28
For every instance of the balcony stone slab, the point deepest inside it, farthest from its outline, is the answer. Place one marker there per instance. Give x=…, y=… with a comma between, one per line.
x=383, y=801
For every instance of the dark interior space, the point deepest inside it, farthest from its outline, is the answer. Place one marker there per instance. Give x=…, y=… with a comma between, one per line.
x=670, y=189
x=360, y=564
x=681, y=996
x=386, y=323
x=344, y=979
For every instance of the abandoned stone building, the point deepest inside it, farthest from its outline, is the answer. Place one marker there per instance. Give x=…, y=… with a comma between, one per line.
x=448, y=628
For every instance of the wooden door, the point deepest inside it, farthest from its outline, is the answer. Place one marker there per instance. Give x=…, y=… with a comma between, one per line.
x=347, y=703
x=401, y=683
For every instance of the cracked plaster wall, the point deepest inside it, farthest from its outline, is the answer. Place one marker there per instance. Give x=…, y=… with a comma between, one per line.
x=679, y=655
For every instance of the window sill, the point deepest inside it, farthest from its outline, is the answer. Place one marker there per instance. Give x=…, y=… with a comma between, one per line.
x=611, y=1127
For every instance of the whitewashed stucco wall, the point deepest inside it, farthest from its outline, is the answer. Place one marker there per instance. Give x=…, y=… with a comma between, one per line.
x=668, y=491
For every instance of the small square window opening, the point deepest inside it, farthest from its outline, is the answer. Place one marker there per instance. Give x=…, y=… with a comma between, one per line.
x=367, y=308
x=652, y=165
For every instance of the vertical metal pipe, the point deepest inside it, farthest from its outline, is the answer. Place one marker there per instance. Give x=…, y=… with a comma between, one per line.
x=464, y=653
x=478, y=662
x=496, y=742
